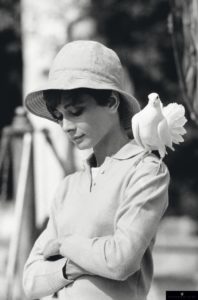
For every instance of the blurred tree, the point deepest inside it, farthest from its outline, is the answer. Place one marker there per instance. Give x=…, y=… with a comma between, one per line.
x=184, y=32
x=10, y=59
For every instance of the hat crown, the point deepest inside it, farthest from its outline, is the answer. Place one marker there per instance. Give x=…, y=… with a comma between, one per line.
x=89, y=57
x=84, y=64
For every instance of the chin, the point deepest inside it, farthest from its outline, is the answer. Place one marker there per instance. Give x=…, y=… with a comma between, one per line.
x=84, y=145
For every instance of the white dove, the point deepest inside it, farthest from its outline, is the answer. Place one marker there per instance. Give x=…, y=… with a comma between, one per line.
x=156, y=127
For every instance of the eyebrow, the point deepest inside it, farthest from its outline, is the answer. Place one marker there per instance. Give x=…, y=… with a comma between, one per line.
x=73, y=100
x=74, y=103
x=66, y=106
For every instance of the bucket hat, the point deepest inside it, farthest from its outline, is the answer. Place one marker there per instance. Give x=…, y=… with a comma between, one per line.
x=84, y=64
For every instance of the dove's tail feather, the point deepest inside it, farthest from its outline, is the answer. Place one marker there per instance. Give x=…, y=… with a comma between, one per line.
x=175, y=116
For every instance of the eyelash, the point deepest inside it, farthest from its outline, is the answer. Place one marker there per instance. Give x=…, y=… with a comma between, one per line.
x=73, y=114
x=77, y=113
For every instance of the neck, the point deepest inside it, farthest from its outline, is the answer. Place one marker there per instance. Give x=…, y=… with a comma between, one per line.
x=110, y=144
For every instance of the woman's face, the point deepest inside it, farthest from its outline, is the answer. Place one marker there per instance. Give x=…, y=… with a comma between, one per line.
x=84, y=121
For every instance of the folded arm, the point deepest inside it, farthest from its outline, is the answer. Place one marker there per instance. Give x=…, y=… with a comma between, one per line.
x=44, y=272
x=43, y=277
x=118, y=256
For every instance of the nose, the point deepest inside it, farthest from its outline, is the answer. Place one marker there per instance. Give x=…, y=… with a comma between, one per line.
x=68, y=125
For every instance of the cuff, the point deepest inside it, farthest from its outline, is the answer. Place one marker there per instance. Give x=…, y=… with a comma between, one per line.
x=56, y=279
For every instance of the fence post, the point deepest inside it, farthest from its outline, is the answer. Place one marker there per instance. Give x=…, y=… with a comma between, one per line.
x=20, y=126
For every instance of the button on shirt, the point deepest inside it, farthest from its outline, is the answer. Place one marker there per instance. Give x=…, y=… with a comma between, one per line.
x=106, y=226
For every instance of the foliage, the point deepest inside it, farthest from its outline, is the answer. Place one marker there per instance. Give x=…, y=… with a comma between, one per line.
x=10, y=59
x=138, y=32
x=184, y=29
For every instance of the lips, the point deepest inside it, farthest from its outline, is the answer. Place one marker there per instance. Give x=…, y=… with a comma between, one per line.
x=78, y=138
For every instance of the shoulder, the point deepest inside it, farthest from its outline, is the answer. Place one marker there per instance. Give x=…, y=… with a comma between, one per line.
x=149, y=183
x=150, y=167
x=154, y=169
x=151, y=160
x=138, y=163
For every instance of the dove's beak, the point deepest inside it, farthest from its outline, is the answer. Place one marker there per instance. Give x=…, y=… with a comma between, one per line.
x=156, y=101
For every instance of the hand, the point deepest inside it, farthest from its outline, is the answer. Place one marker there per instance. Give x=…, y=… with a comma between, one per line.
x=51, y=249
x=73, y=271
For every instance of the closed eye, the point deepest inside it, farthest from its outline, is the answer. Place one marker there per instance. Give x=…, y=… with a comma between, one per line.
x=69, y=113
x=75, y=112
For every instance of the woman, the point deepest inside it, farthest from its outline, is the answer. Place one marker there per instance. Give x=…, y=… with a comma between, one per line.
x=102, y=226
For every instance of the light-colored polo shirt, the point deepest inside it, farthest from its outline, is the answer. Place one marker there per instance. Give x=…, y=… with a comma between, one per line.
x=106, y=226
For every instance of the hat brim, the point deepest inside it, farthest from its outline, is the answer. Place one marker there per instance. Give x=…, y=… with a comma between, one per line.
x=36, y=104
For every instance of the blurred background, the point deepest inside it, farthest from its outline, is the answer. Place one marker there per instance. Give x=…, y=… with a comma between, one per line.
x=157, y=42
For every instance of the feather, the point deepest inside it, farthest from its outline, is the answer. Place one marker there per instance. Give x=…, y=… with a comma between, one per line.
x=175, y=116
x=156, y=126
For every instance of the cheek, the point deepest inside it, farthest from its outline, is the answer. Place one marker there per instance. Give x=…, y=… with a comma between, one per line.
x=95, y=124
x=89, y=128
x=99, y=126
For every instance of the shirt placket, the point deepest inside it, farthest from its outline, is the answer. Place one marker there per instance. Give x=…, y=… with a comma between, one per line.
x=103, y=168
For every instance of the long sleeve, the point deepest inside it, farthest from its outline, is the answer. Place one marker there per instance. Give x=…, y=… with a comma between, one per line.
x=43, y=277
x=73, y=271
x=119, y=255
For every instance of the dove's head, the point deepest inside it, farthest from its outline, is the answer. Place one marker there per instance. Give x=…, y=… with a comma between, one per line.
x=154, y=100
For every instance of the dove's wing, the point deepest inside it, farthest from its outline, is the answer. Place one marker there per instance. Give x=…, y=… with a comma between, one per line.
x=164, y=134
x=175, y=116
x=135, y=129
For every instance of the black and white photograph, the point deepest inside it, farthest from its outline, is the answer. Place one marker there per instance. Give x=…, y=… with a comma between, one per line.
x=99, y=150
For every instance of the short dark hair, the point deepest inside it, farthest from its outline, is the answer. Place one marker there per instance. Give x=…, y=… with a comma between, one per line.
x=52, y=99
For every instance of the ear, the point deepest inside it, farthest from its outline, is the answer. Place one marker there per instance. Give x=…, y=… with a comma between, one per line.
x=113, y=102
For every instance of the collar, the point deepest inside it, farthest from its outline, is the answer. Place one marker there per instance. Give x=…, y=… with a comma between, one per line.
x=126, y=152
